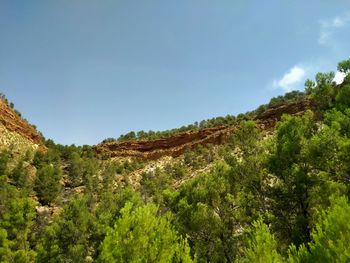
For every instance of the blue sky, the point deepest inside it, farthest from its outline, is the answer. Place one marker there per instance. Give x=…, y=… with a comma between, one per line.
x=86, y=70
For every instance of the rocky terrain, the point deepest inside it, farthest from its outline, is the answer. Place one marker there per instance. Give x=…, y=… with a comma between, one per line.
x=179, y=143
x=172, y=146
x=16, y=132
x=269, y=117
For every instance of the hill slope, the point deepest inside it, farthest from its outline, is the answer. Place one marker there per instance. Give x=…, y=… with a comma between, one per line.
x=177, y=144
x=15, y=132
x=264, y=189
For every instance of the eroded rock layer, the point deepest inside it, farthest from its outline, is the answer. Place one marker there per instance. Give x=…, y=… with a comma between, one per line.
x=177, y=144
x=15, y=124
x=269, y=117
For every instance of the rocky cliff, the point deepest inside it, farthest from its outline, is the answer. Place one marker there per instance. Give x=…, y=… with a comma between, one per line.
x=179, y=143
x=14, y=130
x=268, y=118
x=173, y=146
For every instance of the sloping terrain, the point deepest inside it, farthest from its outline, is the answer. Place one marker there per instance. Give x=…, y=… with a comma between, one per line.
x=284, y=186
x=172, y=146
x=15, y=131
x=269, y=117
x=177, y=144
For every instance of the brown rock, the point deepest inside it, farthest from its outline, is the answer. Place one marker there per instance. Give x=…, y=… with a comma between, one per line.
x=15, y=123
x=177, y=144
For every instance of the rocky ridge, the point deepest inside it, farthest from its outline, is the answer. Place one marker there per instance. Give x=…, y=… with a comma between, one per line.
x=177, y=144
x=13, y=127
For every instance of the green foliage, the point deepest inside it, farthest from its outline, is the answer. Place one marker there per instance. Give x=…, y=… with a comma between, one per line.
x=247, y=138
x=199, y=157
x=21, y=177
x=212, y=208
x=289, y=165
x=330, y=238
x=343, y=97
x=141, y=236
x=75, y=169
x=215, y=196
x=51, y=157
x=338, y=120
x=127, y=137
x=47, y=183
x=324, y=92
x=344, y=66
x=16, y=218
x=309, y=86
x=292, y=133
x=89, y=175
x=262, y=246
x=289, y=97
x=4, y=159
x=108, y=140
x=67, y=238
x=127, y=166
x=109, y=209
x=154, y=183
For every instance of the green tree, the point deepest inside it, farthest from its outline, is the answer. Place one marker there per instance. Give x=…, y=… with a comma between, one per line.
x=247, y=138
x=324, y=91
x=343, y=98
x=207, y=210
x=75, y=169
x=4, y=159
x=16, y=218
x=309, y=86
x=261, y=245
x=139, y=235
x=291, y=192
x=344, y=66
x=21, y=177
x=47, y=183
x=67, y=239
x=338, y=120
x=108, y=210
x=330, y=238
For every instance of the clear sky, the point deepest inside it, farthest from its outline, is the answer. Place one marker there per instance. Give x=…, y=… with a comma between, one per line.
x=85, y=70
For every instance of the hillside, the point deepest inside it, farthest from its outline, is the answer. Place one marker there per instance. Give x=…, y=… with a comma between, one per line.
x=16, y=133
x=271, y=185
x=179, y=143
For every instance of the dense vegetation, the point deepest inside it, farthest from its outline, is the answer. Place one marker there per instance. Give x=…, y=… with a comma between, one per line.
x=259, y=198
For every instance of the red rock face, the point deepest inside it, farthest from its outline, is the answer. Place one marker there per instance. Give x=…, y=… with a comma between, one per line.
x=14, y=123
x=179, y=143
x=268, y=118
x=173, y=146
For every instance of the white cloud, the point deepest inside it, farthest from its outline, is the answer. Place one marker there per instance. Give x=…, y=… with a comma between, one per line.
x=291, y=79
x=338, y=22
x=339, y=77
x=329, y=26
x=330, y=32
